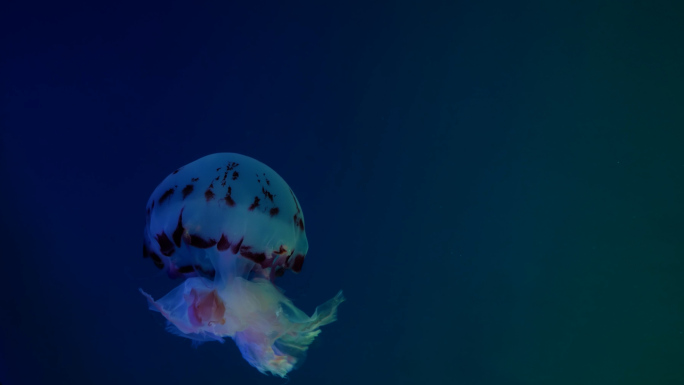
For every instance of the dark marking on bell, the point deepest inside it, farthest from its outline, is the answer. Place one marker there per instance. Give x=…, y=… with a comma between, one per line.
x=295, y=202
x=274, y=211
x=178, y=232
x=166, y=195
x=255, y=257
x=298, y=262
x=267, y=194
x=254, y=204
x=236, y=246
x=194, y=179
x=187, y=190
x=165, y=244
x=223, y=243
x=298, y=221
x=229, y=200
x=235, y=175
x=196, y=269
x=209, y=195
x=186, y=269
x=201, y=243
x=157, y=261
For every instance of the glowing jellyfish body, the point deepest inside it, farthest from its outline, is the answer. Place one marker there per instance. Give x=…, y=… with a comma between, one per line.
x=230, y=225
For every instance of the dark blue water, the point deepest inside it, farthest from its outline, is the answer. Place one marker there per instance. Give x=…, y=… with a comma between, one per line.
x=498, y=188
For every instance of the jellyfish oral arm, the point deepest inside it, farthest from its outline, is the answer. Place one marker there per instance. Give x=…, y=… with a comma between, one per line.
x=272, y=334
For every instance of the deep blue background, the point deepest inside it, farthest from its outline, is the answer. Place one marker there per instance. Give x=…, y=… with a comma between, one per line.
x=497, y=187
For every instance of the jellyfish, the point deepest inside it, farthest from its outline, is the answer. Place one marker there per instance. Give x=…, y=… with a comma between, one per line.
x=228, y=226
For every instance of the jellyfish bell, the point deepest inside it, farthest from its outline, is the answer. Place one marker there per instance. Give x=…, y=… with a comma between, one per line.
x=225, y=202
x=229, y=225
